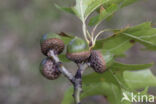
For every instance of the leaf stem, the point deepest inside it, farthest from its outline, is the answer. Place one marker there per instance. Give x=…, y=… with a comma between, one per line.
x=99, y=33
x=94, y=29
x=84, y=29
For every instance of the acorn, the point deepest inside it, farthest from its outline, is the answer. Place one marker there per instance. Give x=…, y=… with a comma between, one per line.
x=53, y=42
x=49, y=69
x=100, y=62
x=78, y=50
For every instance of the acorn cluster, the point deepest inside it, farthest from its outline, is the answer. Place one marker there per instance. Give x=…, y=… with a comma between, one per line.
x=50, y=42
x=78, y=51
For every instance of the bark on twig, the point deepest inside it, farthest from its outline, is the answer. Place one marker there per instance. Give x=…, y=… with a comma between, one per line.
x=60, y=66
x=75, y=80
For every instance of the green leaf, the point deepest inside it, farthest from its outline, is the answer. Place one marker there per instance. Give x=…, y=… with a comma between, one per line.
x=143, y=34
x=139, y=79
x=122, y=67
x=110, y=8
x=96, y=77
x=103, y=15
x=124, y=39
x=84, y=8
x=117, y=70
x=108, y=89
x=115, y=44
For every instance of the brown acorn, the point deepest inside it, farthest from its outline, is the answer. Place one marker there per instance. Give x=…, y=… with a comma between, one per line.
x=97, y=61
x=51, y=42
x=48, y=69
x=78, y=51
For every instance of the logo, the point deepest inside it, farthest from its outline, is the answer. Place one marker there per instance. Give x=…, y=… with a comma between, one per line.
x=137, y=97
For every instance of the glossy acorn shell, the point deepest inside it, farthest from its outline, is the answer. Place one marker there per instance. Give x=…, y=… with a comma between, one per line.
x=48, y=69
x=100, y=61
x=78, y=50
x=51, y=42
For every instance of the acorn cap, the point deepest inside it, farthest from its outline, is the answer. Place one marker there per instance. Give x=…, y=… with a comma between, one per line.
x=97, y=61
x=51, y=42
x=78, y=50
x=48, y=69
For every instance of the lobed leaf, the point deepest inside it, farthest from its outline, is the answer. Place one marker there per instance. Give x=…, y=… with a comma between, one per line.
x=124, y=39
x=110, y=8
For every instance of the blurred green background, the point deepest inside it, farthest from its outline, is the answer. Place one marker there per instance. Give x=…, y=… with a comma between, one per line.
x=23, y=22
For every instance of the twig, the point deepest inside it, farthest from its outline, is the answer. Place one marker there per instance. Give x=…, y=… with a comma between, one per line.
x=62, y=69
x=75, y=80
x=78, y=82
x=77, y=86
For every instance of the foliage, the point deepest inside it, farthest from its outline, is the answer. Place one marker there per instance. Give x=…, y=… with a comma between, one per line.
x=119, y=77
